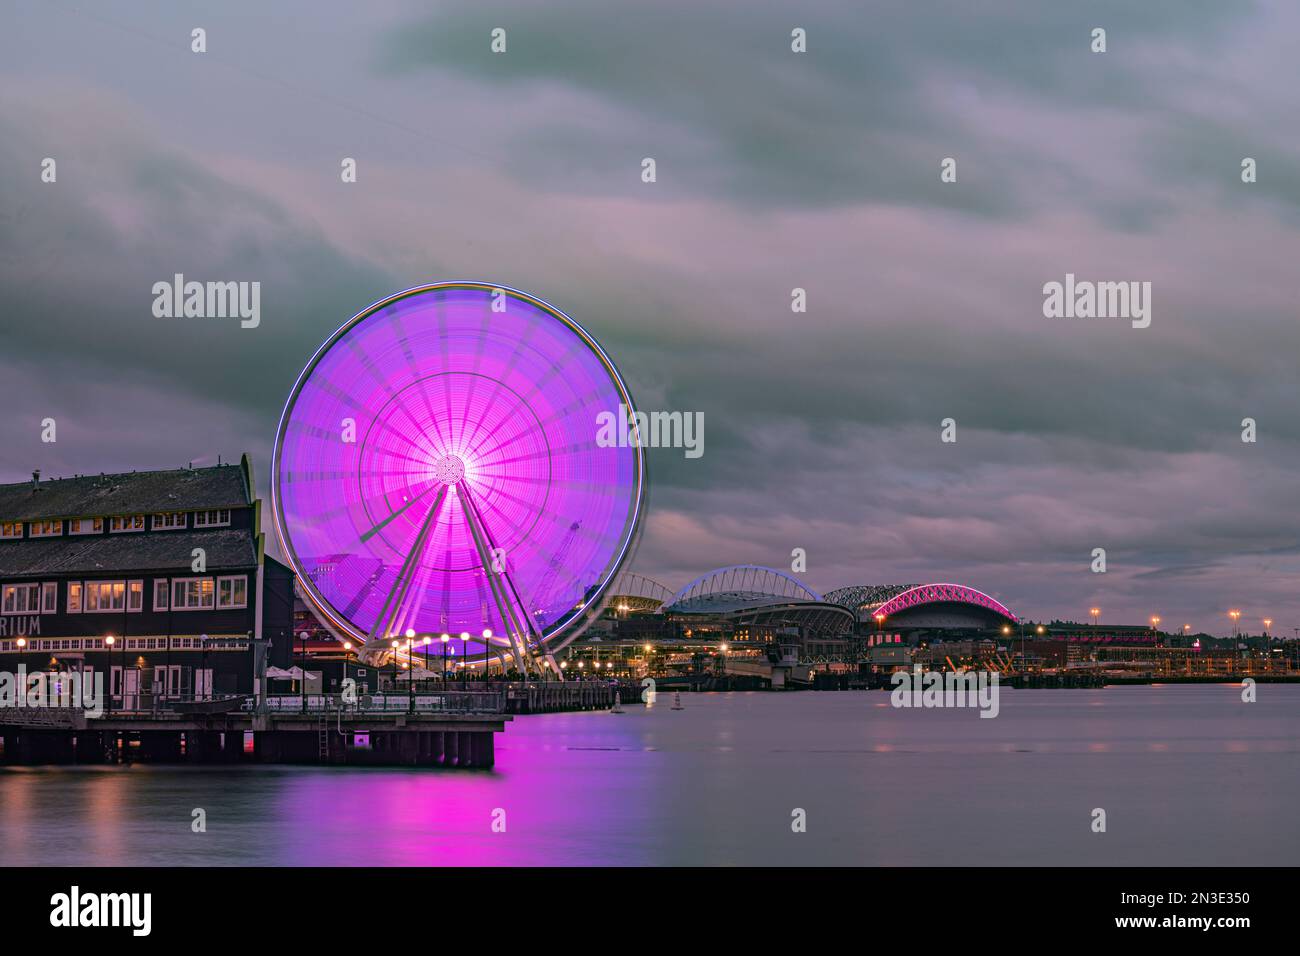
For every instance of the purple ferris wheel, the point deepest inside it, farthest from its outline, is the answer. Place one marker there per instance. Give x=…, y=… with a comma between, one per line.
x=437, y=471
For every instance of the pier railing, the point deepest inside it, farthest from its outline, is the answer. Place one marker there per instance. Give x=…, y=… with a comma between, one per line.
x=443, y=702
x=44, y=717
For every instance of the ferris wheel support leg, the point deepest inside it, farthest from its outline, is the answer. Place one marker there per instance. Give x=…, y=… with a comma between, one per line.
x=554, y=669
x=498, y=593
x=529, y=631
x=402, y=583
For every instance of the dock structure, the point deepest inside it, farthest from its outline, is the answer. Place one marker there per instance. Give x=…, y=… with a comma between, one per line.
x=545, y=697
x=425, y=726
x=450, y=729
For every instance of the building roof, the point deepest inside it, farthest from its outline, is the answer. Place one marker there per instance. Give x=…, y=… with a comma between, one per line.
x=746, y=582
x=890, y=599
x=865, y=597
x=107, y=554
x=137, y=492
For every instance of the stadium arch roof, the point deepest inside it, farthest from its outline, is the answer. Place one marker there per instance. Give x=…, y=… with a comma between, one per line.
x=636, y=592
x=748, y=593
x=890, y=599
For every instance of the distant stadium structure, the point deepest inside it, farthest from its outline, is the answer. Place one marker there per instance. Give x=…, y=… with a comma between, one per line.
x=747, y=595
x=637, y=593
x=939, y=606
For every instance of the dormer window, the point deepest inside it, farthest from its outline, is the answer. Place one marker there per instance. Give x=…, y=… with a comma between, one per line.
x=170, y=521
x=11, y=529
x=45, y=529
x=126, y=523
x=86, y=526
x=212, y=519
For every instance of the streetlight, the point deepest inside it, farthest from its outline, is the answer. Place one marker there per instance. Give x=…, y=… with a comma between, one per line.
x=302, y=685
x=394, y=645
x=1096, y=613
x=409, y=667
x=487, y=636
x=108, y=642
x=207, y=683
x=445, y=639
x=1236, y=616
x=464, y=652
x=426, y=642
x=880, y=622
x=1268, y=622
x=347, y=652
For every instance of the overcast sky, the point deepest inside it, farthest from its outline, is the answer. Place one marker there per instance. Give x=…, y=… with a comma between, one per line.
x=775, y=170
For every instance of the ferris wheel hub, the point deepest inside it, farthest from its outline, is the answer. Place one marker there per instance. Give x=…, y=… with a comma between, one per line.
x=449, y=469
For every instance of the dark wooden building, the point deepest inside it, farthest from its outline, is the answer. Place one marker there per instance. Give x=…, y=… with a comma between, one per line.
x=157, y=579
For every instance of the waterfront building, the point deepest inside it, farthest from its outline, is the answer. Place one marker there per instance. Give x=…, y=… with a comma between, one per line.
x=158, y=580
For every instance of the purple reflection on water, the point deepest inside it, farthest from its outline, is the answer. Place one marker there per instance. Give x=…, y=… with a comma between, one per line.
x=1188, y=775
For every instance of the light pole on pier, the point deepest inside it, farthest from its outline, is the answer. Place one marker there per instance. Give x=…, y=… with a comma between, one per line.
x=347, y=652
x=108, y=642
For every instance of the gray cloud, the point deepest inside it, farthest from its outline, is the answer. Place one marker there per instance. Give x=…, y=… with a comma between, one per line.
x=776, y=171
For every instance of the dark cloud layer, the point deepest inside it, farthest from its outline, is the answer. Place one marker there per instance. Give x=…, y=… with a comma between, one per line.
x=776, y=170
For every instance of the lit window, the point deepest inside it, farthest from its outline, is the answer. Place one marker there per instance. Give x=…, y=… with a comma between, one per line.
x=20, y=599
x=74, y=597
x=46, y=529
x=192, y=594
x=11, y=529
x=171, y=521
x=126, y=523
x=211, y=519
x=232, y=591
x=135, y=595
x=86, y=526
x=104, y=596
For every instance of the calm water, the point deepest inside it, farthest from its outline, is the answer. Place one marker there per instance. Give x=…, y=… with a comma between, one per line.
x=1187, y=775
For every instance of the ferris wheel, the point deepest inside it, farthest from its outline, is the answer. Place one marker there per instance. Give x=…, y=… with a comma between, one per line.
x=437, y=471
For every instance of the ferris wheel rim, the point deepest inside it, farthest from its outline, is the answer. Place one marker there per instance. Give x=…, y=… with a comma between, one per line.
x=561, y=631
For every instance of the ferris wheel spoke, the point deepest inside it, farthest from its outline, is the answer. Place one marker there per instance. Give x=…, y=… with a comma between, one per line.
x=404, y=440
x=514, y=631
x=401, y=584
x=366, y=536
x=529, y=633
x=477, y=452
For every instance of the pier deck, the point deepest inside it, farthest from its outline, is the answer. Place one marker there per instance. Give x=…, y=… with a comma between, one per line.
x=429, y=725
